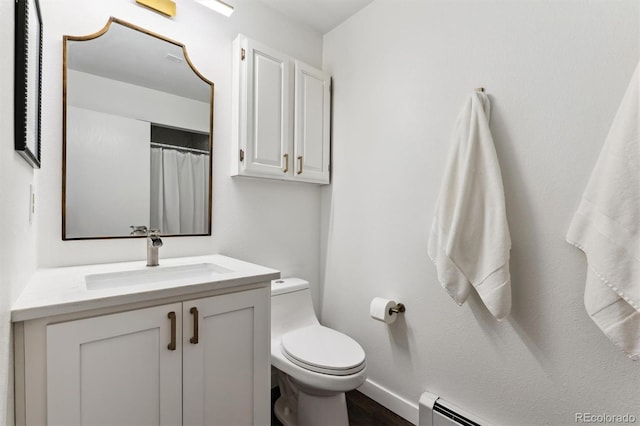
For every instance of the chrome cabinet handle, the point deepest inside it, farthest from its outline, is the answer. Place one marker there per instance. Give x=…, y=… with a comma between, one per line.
x=286, y=163
x=300, y=165
x=172, y=344
x=194, y=312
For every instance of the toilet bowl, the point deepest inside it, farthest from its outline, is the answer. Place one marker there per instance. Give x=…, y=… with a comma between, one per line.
x=316, y=364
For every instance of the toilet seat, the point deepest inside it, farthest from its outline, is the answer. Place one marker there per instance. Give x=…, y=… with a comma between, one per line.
x=323, y=350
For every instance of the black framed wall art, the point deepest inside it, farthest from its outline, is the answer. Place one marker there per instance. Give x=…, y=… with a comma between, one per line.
x=28, y=80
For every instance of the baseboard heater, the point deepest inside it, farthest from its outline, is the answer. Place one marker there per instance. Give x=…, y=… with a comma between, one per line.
x=433, y=411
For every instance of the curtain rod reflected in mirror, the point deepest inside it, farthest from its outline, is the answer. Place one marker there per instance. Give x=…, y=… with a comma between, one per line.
x=137, y=136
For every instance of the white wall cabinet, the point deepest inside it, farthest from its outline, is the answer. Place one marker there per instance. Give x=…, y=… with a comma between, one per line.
x=281, y=116
x=197, y=362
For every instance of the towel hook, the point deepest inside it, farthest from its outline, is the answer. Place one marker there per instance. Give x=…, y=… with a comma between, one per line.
x=480, y=89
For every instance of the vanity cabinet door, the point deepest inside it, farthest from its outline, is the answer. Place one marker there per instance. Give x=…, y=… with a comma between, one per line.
x=311, y=124
x=116, y=369
x=226, y=373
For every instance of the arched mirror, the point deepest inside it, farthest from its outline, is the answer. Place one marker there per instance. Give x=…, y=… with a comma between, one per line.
x=137, y=136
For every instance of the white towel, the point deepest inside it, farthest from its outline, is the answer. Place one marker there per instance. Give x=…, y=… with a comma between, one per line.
x=606, y=228
x=470, y=241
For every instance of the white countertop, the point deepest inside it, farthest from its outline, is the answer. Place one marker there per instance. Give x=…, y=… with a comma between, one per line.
x=57, y=291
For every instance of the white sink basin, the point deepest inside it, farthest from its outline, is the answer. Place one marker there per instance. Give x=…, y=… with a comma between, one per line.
x=159, y=275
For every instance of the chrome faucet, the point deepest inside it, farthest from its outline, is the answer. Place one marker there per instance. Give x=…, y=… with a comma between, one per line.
x=153, y=244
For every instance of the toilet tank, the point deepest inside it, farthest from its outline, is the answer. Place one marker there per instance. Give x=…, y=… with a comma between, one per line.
x=291, y=306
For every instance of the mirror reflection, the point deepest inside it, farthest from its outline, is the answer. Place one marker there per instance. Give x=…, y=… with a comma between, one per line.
x=137, y=136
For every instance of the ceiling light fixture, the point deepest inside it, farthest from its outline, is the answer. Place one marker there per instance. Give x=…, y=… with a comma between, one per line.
x=219, y=6
x=166, y=7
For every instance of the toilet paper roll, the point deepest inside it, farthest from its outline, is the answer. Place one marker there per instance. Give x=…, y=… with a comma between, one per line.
x=379, y=310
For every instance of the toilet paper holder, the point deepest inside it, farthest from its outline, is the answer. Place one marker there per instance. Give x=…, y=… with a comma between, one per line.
x=399, y=308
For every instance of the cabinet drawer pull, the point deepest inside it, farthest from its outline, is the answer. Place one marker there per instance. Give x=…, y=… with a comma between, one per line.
x=286, y=163
x=172, y=344
x=194, y=312
x=300, y=165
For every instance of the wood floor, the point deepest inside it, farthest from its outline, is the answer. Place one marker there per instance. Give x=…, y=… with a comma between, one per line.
x=363, y=411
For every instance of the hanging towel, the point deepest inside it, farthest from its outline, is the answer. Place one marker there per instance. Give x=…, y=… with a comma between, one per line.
x=470, y=242
x=606, y=228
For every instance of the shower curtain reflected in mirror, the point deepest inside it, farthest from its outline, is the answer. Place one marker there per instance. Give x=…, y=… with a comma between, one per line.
x=179, y=191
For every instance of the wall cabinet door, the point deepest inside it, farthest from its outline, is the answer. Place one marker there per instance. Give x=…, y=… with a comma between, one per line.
x=226, y=359
x=274, y=98
x=116, y=369
x=311, y=123
x=265, y=109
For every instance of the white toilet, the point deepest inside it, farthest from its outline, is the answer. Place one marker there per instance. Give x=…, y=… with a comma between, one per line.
x=316, y=364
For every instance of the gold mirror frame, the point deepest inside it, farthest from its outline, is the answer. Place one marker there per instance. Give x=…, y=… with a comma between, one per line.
x=111, y=20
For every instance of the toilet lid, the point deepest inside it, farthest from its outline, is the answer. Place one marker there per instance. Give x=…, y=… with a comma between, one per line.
x=323, y=350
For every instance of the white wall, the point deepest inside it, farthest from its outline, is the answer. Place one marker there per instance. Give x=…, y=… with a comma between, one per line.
x=128, y=100
x=108, y=174
x=555, y=72
x=17, y=236
x=271, y=223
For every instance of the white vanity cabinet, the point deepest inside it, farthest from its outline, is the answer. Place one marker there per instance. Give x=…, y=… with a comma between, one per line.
x=195, y=354
x=281, y=116
x=188, y=363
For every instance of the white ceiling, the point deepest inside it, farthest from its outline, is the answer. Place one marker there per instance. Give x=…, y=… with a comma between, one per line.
x=321, y=15
x=131, y=56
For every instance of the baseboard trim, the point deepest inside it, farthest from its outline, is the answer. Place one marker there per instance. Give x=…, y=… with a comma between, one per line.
x=394, y=402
